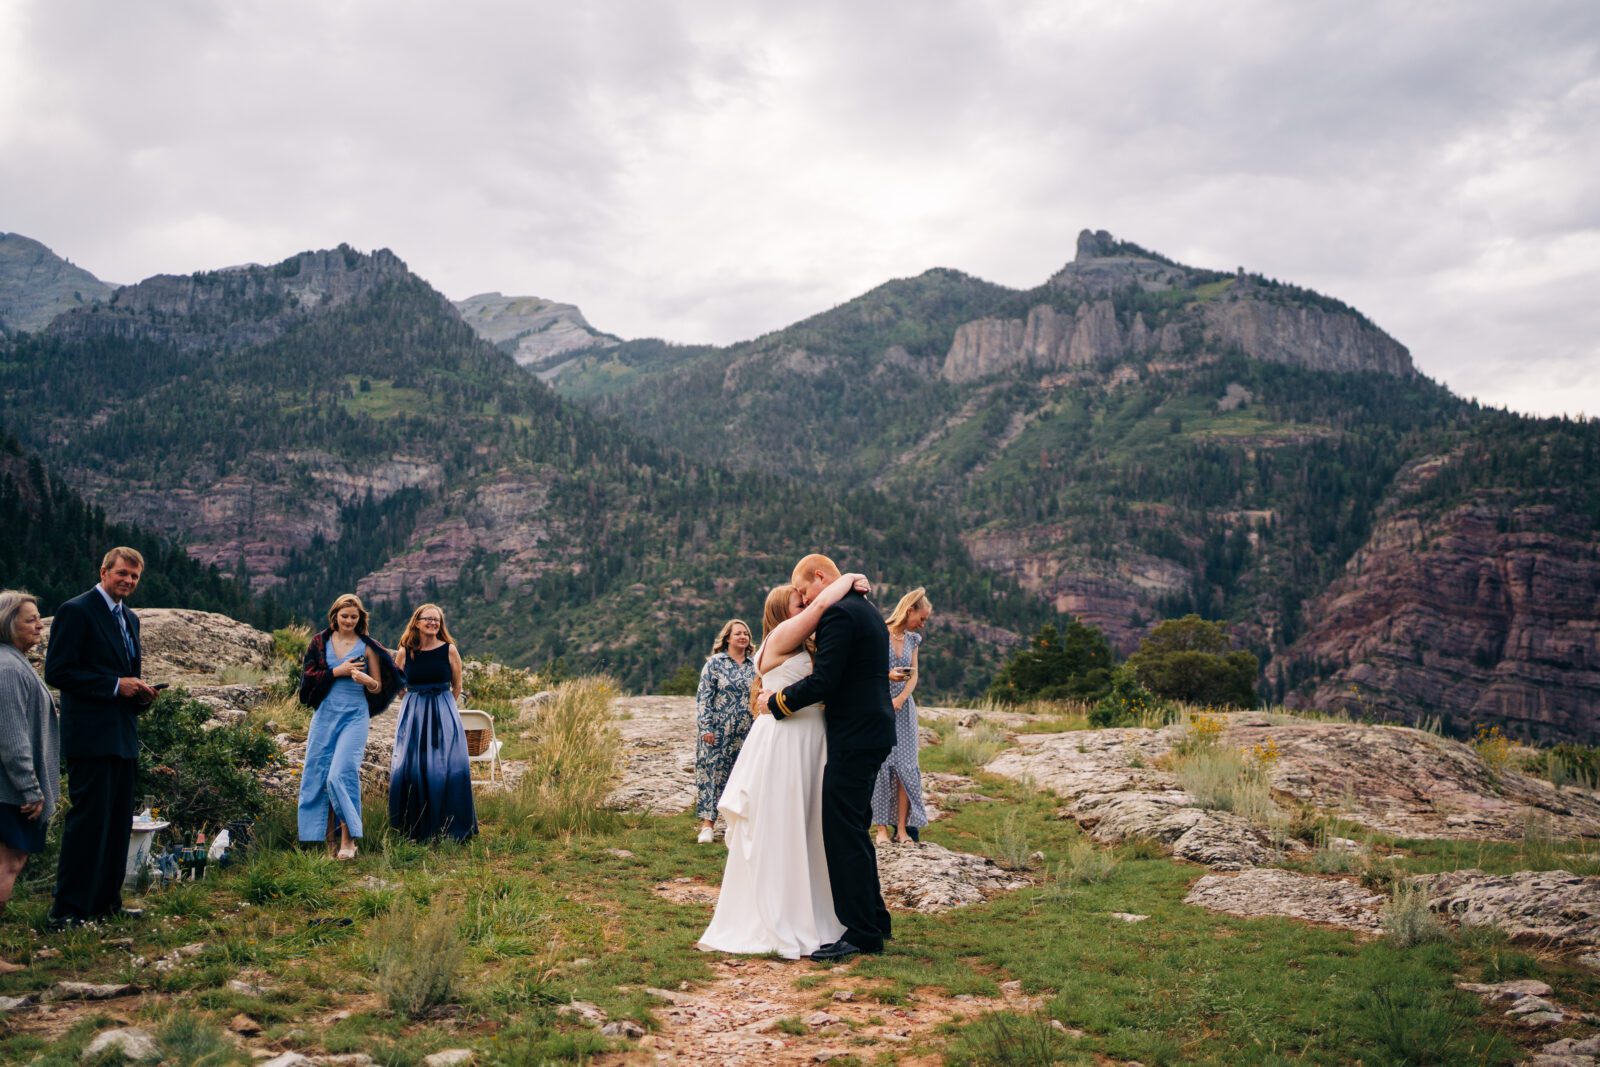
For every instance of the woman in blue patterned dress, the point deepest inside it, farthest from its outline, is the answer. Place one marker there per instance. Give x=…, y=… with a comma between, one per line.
x=430, y=776
x=897, y=795
x=722, y=717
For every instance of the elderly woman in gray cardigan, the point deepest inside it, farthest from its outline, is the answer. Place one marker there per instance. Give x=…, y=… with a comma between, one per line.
x=30, y=742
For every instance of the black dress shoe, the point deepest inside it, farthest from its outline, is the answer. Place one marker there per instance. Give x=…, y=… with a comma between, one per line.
x=132, y=913
x=839, y=950
x=58, y=922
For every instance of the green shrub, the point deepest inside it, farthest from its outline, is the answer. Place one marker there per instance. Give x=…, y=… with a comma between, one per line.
x=198, y=776
x=195, y=1041
x=1084, y=864
x=487, y=680
x=416, y=956
x=1009, y=845
x=1190, y=660
x=1075, y=665
x=683, y=682
x=1407, y=919
x=1129, y=703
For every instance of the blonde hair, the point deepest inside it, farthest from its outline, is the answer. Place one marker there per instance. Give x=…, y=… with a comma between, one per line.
x=412, y=636
x=776, y=609
x=916, y=599
x=725, y=634
x=132, y=555
x=349, y=600
x=811, y=565
x=12, y=601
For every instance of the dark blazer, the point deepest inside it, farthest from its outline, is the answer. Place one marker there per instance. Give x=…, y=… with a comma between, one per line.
x=850, y=673
x=316, y=678
x=85, y=658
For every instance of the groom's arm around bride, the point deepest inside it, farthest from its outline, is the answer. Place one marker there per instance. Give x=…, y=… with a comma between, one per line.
x=850, y=675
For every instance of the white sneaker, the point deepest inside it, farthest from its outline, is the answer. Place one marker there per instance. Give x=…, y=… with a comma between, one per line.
x=705, y=836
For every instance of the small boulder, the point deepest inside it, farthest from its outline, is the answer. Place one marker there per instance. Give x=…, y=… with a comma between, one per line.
x=288, y=1059
x=844, y=996
x=132, y=1042
x=89, y=991
x=819, y=1019
x=584, y=1012
x=625, y=1028
x=244, y=1025
x=450, y=1057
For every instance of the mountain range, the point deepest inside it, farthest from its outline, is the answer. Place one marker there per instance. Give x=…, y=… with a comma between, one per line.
x=1130, y=440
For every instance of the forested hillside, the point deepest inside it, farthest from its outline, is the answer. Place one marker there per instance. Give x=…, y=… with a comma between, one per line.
x=1136, y=439
x=329, y=423
x=54, y=542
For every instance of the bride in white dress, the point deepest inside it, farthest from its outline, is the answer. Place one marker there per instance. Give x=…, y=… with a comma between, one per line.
x=775, y=896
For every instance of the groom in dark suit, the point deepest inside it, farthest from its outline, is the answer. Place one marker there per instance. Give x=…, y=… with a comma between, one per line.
x=94, y=658
x=850, y=673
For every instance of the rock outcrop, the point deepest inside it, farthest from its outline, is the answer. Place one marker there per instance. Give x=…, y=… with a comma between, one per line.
x=241, y=306
x=1396, y=780
x=1481, y=614
x=530, y=328
x=1553, y=908
x=1209, y=313
x=1268, y=891
x=1114, y=596
x=36, y=285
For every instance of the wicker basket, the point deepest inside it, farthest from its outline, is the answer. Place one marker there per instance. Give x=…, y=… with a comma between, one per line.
x=477, y=742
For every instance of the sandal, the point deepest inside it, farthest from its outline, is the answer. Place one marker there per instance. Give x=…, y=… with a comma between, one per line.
x=347, y=853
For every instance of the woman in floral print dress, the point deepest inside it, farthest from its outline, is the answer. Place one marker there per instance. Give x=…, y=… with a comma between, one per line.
x=722, y=718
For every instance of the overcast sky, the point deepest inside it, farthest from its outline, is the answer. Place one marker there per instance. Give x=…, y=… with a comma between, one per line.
x=710, y=171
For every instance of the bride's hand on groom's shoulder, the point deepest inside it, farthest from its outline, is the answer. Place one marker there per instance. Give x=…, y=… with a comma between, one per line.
x=860, y=583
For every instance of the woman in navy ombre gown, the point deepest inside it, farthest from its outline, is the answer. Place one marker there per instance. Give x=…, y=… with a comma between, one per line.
x=430, y=781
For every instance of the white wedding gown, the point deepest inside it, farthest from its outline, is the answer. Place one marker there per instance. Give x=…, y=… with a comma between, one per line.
x=775, y=895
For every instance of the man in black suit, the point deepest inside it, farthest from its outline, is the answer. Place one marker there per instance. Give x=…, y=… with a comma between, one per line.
x=850, y=673
x=94, y=659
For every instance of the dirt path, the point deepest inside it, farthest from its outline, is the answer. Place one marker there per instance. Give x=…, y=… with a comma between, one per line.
x=755, y=1012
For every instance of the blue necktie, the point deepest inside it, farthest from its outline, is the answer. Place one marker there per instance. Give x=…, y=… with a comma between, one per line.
x=127, y=638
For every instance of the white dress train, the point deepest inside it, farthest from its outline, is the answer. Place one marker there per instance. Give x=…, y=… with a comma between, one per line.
x=775, y=895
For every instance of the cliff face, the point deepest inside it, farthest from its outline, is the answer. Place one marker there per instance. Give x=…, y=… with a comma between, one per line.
x=36, y=285
x=1482, y=614
x=1303, y=336
x=1199, y=313
x=531, y=329
x=1118, y=597
x=242, y=306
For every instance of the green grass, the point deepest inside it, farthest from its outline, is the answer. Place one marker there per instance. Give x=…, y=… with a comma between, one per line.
x=1184, y=987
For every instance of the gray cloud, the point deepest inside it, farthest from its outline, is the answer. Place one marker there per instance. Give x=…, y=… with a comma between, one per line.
x=710, y=171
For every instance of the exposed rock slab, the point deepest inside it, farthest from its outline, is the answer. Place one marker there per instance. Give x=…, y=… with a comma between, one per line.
x=193, y=648
x=1548, y=907
x=930, y=878
x=658, y=754
x=1220, y=840
x=132, y=1042
x=1397, y=780
x=1268, y=891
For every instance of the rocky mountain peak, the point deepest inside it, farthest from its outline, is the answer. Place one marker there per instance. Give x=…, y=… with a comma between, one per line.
x=1095, y=244
x=36, y=285
x=248, y=304
x=531, y=329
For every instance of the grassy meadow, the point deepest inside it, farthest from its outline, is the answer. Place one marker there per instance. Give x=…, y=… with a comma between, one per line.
x=411, y=949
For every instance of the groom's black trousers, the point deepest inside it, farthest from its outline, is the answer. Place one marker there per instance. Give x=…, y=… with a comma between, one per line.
x=852, y=861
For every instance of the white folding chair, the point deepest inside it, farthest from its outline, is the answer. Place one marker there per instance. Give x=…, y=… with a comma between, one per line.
x=481, y=740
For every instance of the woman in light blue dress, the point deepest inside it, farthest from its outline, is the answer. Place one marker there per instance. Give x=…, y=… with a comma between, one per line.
x=346, y=674
x=897, y=794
